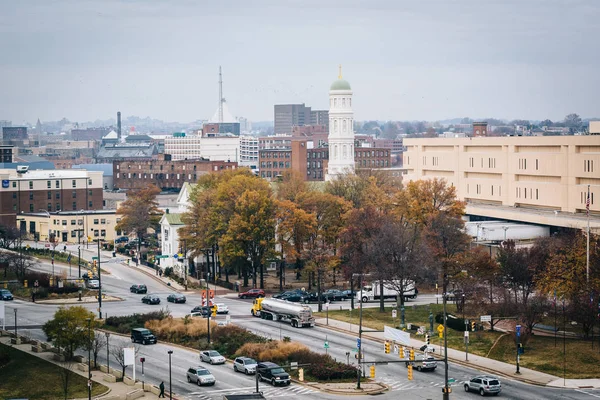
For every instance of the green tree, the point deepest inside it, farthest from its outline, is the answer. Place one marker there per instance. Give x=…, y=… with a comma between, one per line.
x=422, y=200
x=68, y=330
x=573, y=122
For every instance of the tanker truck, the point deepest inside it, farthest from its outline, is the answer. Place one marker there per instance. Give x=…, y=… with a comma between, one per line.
x=298, y=315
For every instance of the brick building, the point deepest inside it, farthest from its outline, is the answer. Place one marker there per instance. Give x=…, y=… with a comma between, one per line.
x=274, y=161
x=48, y=190
x=364, y=158
x=163, y=172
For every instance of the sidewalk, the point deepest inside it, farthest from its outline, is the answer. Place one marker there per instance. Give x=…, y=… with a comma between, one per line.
x=88, y=299
x=481, y=363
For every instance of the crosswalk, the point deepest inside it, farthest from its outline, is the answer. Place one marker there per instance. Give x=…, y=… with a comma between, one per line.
x=404, y=385
x=268, y=391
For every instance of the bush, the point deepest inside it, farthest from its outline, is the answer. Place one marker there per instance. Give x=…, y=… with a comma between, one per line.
x=125, y=324
x=228, y=339
x=168, y=271
x=458, y=324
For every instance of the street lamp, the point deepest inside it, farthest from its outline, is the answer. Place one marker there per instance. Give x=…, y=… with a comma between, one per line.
x=107, y=358
x=170, y=391
x=446, y=395
x=89, y=322
x=360, y=352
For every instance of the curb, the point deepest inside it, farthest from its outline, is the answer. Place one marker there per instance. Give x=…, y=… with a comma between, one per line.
x=383, y=388
x=456, y=361
x=151, y=276
x=51, y=302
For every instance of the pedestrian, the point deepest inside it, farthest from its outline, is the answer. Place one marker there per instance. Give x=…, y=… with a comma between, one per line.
x=162, y=390
x=33, y=296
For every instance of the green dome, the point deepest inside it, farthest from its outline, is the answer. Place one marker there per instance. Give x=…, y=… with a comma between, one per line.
x=340, y=84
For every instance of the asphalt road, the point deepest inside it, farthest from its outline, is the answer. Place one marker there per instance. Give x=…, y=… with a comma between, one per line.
x=426, y=385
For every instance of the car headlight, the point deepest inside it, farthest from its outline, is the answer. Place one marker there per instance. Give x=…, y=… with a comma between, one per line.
x=277, y=377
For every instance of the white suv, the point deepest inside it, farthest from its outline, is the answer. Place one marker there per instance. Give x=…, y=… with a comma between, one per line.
x=484, y=385
x=245, y=364
x=200, y=376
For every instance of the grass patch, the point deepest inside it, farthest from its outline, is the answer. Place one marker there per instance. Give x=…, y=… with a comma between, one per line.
x=19, y=369
x=540, y=353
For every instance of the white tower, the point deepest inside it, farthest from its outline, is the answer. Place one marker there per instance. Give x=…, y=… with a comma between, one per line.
x=341, y=129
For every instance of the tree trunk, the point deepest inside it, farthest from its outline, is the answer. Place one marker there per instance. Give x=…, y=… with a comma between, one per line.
x=320, y=307
x=351, y=292
x=381, y=305
x=262, y=277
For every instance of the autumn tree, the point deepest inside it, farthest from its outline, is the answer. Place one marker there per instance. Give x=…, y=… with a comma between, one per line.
x=68, y=330
x=9, y=235
x=516, y=273
x=140, y=212
x=424, y=199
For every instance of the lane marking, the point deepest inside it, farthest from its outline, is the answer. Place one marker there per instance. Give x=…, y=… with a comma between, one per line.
x=588, y=393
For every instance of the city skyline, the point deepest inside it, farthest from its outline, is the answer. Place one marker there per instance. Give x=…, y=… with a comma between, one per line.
x=85, y=60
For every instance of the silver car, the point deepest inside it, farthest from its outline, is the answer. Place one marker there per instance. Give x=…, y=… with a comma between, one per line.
x=245, y=364
x=200, y=376
x=484, y=385
x=212, y=356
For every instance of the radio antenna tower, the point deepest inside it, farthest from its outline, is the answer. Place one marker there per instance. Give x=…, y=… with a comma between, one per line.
x=221, y=99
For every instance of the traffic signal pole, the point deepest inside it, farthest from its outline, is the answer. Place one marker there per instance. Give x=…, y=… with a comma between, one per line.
x=99, y=284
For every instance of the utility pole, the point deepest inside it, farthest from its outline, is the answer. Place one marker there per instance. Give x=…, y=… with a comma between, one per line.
x=99, y=284
x=360, y=319
x=445, y=389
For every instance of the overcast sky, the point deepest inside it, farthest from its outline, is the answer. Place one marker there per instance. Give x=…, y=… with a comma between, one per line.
x=405, y=60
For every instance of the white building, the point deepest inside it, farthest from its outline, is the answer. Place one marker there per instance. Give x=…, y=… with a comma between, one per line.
x=222, y=148
x=248, y=152
x=341, y=129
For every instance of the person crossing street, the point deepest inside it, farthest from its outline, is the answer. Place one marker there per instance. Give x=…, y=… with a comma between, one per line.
x=162, y=390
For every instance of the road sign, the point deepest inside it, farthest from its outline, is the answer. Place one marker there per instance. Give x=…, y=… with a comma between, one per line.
x=440, y=328
x=162, y=256
x=294, y=365
x=394, y=313
x=175, y=256
x=485, y=318
x=94, y=258
x=326, y=345
x=518, y=328
x=36, y=284
x=358, y=343
x=451, y=380
x=466, y=334
x=47, y=245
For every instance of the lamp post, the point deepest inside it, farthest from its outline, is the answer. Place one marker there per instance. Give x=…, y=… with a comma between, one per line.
x=170, y=391
x=89, y=322
x=15, y=323
x=107, y=358
x=99, y=284
x=360, y=352
x=446, y=395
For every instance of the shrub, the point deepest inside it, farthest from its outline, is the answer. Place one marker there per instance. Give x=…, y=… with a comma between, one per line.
x=228, y=339
x=168, y=271
x=125, y=324
x=458, y=324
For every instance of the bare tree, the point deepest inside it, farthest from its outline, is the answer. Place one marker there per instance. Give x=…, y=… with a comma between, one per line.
x=19, y=263
x=119, y=356
x=97, y=342
x=66, y=373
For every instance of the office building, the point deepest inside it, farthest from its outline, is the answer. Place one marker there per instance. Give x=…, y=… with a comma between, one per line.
x=319, y=117
x=196, y=147
x=71, y=226
x=539, y=179
x=289, y=115
x=48, y=190
x=274, y=161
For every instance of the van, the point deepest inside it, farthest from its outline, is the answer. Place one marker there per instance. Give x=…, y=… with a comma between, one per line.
x=143, y=336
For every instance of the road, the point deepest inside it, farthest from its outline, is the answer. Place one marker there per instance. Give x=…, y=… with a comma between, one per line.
x=426, y=385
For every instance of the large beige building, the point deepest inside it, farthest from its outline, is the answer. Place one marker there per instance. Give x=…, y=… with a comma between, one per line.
x=540, y=180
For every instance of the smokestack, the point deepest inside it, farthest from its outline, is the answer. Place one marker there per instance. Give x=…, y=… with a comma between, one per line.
x=119, y=124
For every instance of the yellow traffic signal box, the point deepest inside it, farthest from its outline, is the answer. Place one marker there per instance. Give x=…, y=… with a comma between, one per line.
x=372, y=370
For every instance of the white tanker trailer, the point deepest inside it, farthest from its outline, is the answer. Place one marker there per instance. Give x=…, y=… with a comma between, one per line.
x=298, y=315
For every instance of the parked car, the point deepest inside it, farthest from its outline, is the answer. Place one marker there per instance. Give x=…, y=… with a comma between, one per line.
x=122, y=239
x=143, y=336
x=222, y=308
x=335, y=295
x=200, y=375
x=138, y=289
x=484, y=385
x=288, y=292
x=293, y=297
x=203, y=311
x=424, y=363
x=93, y=284
x=212, y=356
x=268, y=371
x=313, y=297
x=252, y=294
x=5, y=294
x=349, y=293
x=176, y=298
x=245, y=364
x=151, y=299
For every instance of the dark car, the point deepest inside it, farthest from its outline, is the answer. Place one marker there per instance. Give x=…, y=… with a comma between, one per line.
x=5, y=294
x=293, y=297
x=176, y=298
x=151, y=299
x=252, y=294
x=122, y=239
x=313, y=297
x=349, y=293
x=143, y=336
x=268, y=371
x=138, y=289
x=335, y=295
x=288, y=292
x=204, y=311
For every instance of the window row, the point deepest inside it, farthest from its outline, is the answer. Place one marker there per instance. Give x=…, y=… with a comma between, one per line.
x=521, y=193
x=275, y=154
x=372, y=153
x=275, y=164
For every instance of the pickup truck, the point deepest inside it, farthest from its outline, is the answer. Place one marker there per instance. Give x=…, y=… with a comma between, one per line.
x=423, y=363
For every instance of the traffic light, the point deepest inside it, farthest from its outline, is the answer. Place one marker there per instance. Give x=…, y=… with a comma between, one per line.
x=410, y=372
x=447, y=389
x=401, y=352
x=25, y=283
x=521, y=349
x=214, y=311
x=301, y=374
x=95, y=263
x=412, y=354
x=473, y=326
x=427, y=341
x=387, y=347
x=372, y=370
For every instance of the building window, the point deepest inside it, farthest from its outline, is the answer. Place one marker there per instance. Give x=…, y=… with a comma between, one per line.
x=57, y=195
x=74, y=194
x=14, y=195
x=49, y=184
x=90, y=182
x=64, y=222
x=90, y=204
x=536, y=164
x=57, y=184
x=103, y=221
x=74, y=183
x=30, y=184
x=57, y=206
x=96, y=233
x=73, y=234
x=588, y=165
x=49, y=206
x=536, y=190
x=31, y=196
x=31, y=208
x=49, y=196
x=103, y=232
x=73, y=222
x=74, y=206
x=90, y=192
x=96, y=222
x=14, y=184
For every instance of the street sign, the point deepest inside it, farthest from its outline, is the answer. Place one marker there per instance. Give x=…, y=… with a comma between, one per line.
x=162, y=256
x=451, y=380
x=358, y=343
x=36, y=284
x=326, y=345
x=47, y=245
x=94, y=258
x=466, y=334
x=518, y=328
x=394, y=313
x=485, y=318
x=440, y=328
x=294, y=365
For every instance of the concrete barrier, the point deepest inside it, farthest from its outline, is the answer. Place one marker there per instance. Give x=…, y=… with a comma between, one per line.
x=155, y=390
x=47, y=346
x=134, y=394
x=59, y=357
x=115, y=397
x=82, y=367
x=103, y=368
x=117, y=373
x=14, y=340
x=80, y=359
x=36, y=348
x=109, y=378
x=24, y=339
x=128, y=381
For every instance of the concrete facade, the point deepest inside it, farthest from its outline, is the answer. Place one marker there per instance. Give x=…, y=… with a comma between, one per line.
x=548, y=174
x=69, y=225
x=222, y=148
